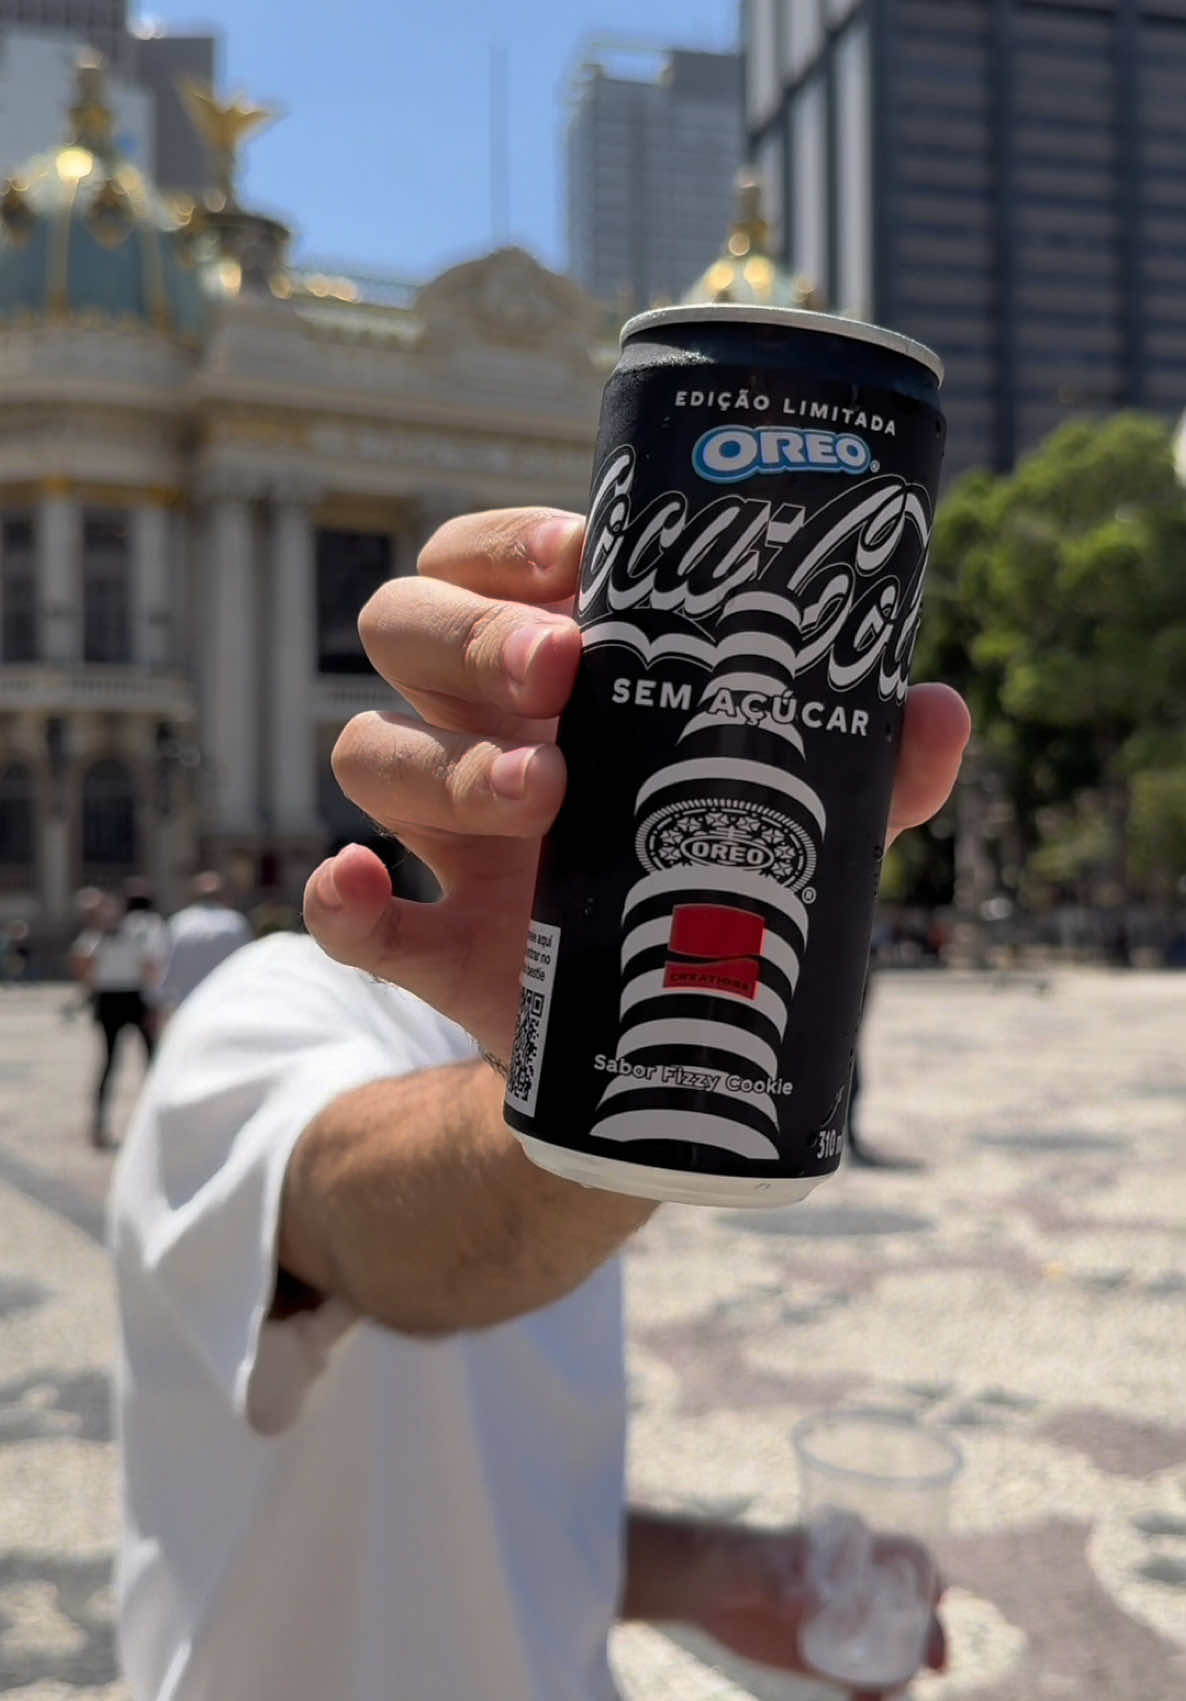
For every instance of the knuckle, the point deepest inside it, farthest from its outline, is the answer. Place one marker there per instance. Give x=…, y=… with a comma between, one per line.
x=371, y=617
x=463, y=779
x=480, y=541
x=485, y=629
x=446, y=544
x=430, y=549
x=383, y=610
x=353, y=751
x=343, y=751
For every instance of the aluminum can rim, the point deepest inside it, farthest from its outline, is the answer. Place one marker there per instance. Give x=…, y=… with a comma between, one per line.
x=793, y=318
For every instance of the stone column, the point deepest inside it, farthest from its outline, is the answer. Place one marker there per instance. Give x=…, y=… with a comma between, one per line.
x=58, y=819
x=291, y=759
x=152, y=587
x=59, y=576
x=56, y=891
x=230, y=711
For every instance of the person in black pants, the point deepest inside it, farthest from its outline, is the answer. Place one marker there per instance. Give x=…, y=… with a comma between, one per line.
x=858, y=1151
x=120, y=966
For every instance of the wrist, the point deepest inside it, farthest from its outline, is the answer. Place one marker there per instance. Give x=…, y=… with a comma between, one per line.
x=671, y=1565
x=700, y=1574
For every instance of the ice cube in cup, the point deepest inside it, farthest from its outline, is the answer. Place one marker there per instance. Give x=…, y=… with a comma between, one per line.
x=873, y=1620
x=839, y=1551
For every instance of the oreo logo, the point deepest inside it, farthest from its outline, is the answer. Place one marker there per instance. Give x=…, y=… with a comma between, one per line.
x=710, y=833
x=729, y=453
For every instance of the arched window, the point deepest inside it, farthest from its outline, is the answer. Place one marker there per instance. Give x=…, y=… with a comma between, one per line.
x=108, y=816
x=16, y=815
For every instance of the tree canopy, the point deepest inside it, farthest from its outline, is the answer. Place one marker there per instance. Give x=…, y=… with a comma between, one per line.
x=1056, y=602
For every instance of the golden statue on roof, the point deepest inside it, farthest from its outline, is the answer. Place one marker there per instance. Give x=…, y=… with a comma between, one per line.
x=746, y=271
x=224, y=126
x=92, y=122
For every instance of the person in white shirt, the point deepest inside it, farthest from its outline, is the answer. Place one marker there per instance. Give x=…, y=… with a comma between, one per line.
x=371, y=1393
x=119, y=958
x=199, y=937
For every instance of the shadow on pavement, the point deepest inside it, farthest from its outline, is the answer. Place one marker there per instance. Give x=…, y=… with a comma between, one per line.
x=828, y=1222
x=16, y=1294
x=1044, y=1141
x=55, y=1621
x=53, y=1403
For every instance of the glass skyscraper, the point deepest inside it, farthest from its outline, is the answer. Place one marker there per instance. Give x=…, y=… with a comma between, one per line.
x=1001, y=178
x=652, y=162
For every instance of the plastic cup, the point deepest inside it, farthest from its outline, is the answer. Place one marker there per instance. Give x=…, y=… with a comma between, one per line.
x=893, y=1472
x=875, y=1498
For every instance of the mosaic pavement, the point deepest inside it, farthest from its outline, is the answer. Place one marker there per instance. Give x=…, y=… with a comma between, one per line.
x=1026, y=1289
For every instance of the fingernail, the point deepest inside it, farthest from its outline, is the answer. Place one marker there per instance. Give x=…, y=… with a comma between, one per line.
x=520, y=648
x=552, y=537
x=328, y=895
x=508, y=773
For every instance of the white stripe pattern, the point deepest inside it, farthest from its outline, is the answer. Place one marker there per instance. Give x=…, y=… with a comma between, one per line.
x=738, y=1137
x=705, y=768
x=650, y=985
x=719, y=1036
x=732, y=882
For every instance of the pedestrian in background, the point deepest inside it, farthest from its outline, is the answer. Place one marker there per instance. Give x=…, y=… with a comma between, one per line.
x=14, y=952
x=121, y=963
x=199, y=937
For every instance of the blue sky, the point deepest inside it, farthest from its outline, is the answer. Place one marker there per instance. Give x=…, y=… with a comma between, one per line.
x=383, y=158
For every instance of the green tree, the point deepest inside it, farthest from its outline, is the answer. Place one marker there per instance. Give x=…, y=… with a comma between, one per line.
x=1057, y=602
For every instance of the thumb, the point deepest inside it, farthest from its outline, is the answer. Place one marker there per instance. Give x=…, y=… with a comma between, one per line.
x=428, y=949
x=352, y=914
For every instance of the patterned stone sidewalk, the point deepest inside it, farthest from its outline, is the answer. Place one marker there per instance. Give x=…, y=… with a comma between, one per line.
x=1027, y=1290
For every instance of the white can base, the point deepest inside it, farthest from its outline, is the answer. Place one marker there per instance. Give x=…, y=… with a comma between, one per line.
x=668, y=1186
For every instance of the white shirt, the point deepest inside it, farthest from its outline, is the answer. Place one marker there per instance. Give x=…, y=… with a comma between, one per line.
x=320, y=1509
x=199, y=938
x=128, y=959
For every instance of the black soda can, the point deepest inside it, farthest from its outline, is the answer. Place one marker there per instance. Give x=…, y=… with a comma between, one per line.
x=749, y=601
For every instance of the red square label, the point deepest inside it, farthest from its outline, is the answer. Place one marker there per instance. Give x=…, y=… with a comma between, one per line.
x=716, y=930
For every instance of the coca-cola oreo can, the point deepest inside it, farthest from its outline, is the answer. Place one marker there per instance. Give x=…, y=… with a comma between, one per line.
x=749, y=601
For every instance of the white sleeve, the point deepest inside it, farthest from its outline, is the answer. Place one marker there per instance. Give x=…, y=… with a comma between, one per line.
x=243, y=1071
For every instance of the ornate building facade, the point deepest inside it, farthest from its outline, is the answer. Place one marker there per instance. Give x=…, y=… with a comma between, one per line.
x=207, y=463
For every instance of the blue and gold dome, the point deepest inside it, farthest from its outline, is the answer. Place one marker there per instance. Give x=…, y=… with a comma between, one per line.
x=83, y=232
x=745, y=272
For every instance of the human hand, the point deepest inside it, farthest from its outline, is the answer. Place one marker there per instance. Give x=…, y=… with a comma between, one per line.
x=748, y=1589
x=481, y=643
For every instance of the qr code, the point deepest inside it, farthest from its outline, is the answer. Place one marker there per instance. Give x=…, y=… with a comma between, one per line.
x=535, y=1003
x=525, y=1057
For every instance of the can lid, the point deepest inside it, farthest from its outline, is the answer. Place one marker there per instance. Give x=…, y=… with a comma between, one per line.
x=794, y=318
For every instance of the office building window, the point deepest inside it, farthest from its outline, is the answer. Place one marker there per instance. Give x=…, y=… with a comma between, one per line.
x=350, y=566
x=18, y=590
x=106, y=591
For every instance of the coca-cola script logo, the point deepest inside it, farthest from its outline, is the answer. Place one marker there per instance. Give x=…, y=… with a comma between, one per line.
x=847, y=596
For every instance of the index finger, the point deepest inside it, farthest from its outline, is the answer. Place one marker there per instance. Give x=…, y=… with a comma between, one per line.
x=524, y=554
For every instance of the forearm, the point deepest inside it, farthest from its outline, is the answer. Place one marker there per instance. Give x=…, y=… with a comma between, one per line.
x=661, y=1554
x=678, y=1567
x=411, y=1199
